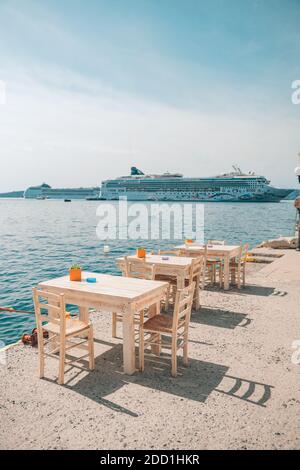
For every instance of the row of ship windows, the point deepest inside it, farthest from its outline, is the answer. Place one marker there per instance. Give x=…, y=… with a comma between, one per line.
x=186, y=183
x=220, y=188
x=181, y=191
x=62, y=193
x=156, y=187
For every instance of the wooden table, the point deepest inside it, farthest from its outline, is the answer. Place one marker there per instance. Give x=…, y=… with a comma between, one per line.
x=177, y=266
x=224, y=252
x=118, y=294
x=168, y=265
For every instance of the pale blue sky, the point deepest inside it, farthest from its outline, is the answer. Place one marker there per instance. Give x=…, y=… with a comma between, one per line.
x=186, y=85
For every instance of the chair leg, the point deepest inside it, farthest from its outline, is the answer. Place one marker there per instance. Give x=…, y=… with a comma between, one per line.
x=221, y=275
x=185, y=352
x=233, y=276
x=114, y=325
x=62, y=358
x=196, y=300
x=141, y=351
x=172, y=293
x=159, y=345
x=138, y=326
x=167, y=298
x=41, y=355
x=239, y=277
x=197, y=294
x=244, y=275
x=211, y=274
x=174, y=357
x=203, y=276
x=207, y=278
x=91, y=349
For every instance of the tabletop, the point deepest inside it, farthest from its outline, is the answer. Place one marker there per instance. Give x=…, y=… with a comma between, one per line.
x=224, y=249
x=162, y=260
x=106, y=285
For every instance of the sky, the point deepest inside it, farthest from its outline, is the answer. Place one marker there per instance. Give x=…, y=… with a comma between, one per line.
x=89, y=88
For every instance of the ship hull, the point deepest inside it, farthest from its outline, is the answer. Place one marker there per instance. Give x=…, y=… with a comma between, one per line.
x=152, y=197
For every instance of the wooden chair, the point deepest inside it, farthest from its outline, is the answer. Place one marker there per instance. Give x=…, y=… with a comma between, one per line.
x=214, y=267
x=196, y=271
x=238, y=267
x=163, y=277
x=140, y=270
x=195, y=274
x=214, y=271
x=60, y=330
x=176, y=327
x=172, y=280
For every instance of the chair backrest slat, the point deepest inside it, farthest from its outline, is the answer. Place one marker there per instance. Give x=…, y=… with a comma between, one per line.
x=55, y=298
x=52, y=312
x=52, y=305
x=183, y=306
x=183, y=313
x=196, y=268
x=139, y=269
x=217, y=242
x=48, y=307
x=183, y=252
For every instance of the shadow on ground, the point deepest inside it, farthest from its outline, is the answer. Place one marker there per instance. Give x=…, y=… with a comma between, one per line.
x=249, y=289
x=196, y=382
x=220, y=318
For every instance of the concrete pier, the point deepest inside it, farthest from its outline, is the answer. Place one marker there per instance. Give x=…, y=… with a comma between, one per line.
x=240, y=391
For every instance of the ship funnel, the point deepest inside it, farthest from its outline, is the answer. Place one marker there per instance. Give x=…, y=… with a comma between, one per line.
x=135, y=171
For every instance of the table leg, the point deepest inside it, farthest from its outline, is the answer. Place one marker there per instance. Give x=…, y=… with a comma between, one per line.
x=180, y=281
x=226, y=273
x=128, y=343
x=84, y=316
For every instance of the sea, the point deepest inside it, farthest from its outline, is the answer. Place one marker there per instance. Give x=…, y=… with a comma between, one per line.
x=41, y=239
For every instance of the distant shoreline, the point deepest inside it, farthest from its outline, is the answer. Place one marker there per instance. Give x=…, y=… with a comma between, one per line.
x=18, y=194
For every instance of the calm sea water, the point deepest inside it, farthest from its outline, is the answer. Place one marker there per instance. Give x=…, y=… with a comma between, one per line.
x=41, y=239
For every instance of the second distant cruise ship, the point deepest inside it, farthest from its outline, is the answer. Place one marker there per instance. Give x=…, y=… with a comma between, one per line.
x=235, y=186
x=44, y=191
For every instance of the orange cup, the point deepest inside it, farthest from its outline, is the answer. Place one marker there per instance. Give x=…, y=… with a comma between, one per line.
x=75, y=274
x=141, y=253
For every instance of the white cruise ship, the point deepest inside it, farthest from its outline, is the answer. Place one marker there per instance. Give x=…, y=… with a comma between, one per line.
x=232, y=187
x=44, y=191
